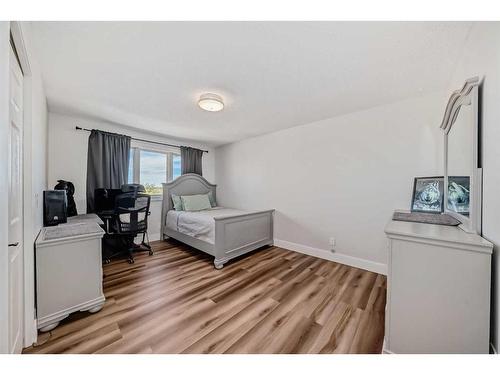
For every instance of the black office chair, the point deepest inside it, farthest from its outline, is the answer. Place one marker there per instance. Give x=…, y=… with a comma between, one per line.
x=131, y=213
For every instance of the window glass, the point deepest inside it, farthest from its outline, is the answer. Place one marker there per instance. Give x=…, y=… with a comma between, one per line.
x=176, y=168
x=153, y=171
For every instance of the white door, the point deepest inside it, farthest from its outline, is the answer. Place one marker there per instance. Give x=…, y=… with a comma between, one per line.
x=15, y=266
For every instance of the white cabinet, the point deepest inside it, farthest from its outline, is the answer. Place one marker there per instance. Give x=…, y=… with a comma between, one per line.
x=68, y=271
x=438, y=296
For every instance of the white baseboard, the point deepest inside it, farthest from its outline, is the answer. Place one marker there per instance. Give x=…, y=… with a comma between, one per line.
x=335, y=257
x=384, y=348
x=154, y=236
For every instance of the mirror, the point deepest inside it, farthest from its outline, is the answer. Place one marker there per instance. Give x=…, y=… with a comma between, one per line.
x=462, y=181
x=460, y=162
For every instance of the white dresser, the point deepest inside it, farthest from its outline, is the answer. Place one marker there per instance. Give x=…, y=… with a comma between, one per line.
x=438, y=296
x=68, y=270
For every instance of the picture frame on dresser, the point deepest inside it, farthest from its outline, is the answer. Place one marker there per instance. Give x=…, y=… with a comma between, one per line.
x=459, y=194
x=428, y=196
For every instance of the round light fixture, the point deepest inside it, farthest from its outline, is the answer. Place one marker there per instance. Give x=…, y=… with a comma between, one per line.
x=211, y=102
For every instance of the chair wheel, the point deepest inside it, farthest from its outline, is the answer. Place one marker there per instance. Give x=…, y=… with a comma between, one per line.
x=151, y=252
x=131, y=261
x=107, y=261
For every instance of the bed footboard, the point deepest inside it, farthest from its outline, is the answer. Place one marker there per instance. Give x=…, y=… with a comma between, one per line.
x=237, y=235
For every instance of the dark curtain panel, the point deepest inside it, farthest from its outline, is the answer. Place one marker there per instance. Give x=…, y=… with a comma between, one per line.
x=191, y=160
x=107, y=163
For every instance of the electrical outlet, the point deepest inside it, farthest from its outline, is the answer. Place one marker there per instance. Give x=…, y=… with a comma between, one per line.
x=332, y=243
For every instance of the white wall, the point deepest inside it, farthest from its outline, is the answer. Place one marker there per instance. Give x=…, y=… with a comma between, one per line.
x=38, y=127
x=68, y=158
x=35, y=138
x=481, y=57
x=340, y=177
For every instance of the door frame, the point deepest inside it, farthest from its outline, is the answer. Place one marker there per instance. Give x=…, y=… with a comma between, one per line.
x=29, y=327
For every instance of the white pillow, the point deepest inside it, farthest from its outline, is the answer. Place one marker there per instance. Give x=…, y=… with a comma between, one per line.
x=177, y=202
x=195, y=202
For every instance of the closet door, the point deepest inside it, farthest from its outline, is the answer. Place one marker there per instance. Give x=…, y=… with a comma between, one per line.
x=15, y=181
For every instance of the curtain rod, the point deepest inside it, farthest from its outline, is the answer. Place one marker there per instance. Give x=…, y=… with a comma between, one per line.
x=139, y=139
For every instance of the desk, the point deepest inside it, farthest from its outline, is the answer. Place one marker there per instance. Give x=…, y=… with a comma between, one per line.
x=107, y=216
x=68, y=270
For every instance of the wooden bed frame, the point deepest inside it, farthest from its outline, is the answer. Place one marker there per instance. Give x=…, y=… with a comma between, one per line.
x=234, y=235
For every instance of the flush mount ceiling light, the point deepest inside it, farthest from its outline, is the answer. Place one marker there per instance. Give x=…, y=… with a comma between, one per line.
x=211, y=102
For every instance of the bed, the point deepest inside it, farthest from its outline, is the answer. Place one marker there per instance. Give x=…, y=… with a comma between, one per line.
x=223, y=233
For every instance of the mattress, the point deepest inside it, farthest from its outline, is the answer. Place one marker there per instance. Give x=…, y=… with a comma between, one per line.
x=198, y=224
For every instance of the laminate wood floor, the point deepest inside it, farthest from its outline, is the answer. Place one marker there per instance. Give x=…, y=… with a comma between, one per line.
x=270, y=301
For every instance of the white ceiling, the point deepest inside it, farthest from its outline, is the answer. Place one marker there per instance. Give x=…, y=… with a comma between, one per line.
x=272, y=75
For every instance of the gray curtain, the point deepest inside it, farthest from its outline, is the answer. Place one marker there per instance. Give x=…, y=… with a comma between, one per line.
x=191, y=160
x=107, y=163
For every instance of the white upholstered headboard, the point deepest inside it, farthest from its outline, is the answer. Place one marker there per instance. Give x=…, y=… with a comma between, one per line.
x=187, y=184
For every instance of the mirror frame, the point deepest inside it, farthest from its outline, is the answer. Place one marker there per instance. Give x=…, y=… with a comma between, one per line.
x=467, y=95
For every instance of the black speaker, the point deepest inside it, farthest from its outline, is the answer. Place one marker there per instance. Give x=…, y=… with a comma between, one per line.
x=55, y=207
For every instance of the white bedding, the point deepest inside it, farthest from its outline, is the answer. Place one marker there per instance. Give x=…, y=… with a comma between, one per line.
x=198, y=224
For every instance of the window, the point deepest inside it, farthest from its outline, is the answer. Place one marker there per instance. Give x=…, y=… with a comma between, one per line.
x=153, y=167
